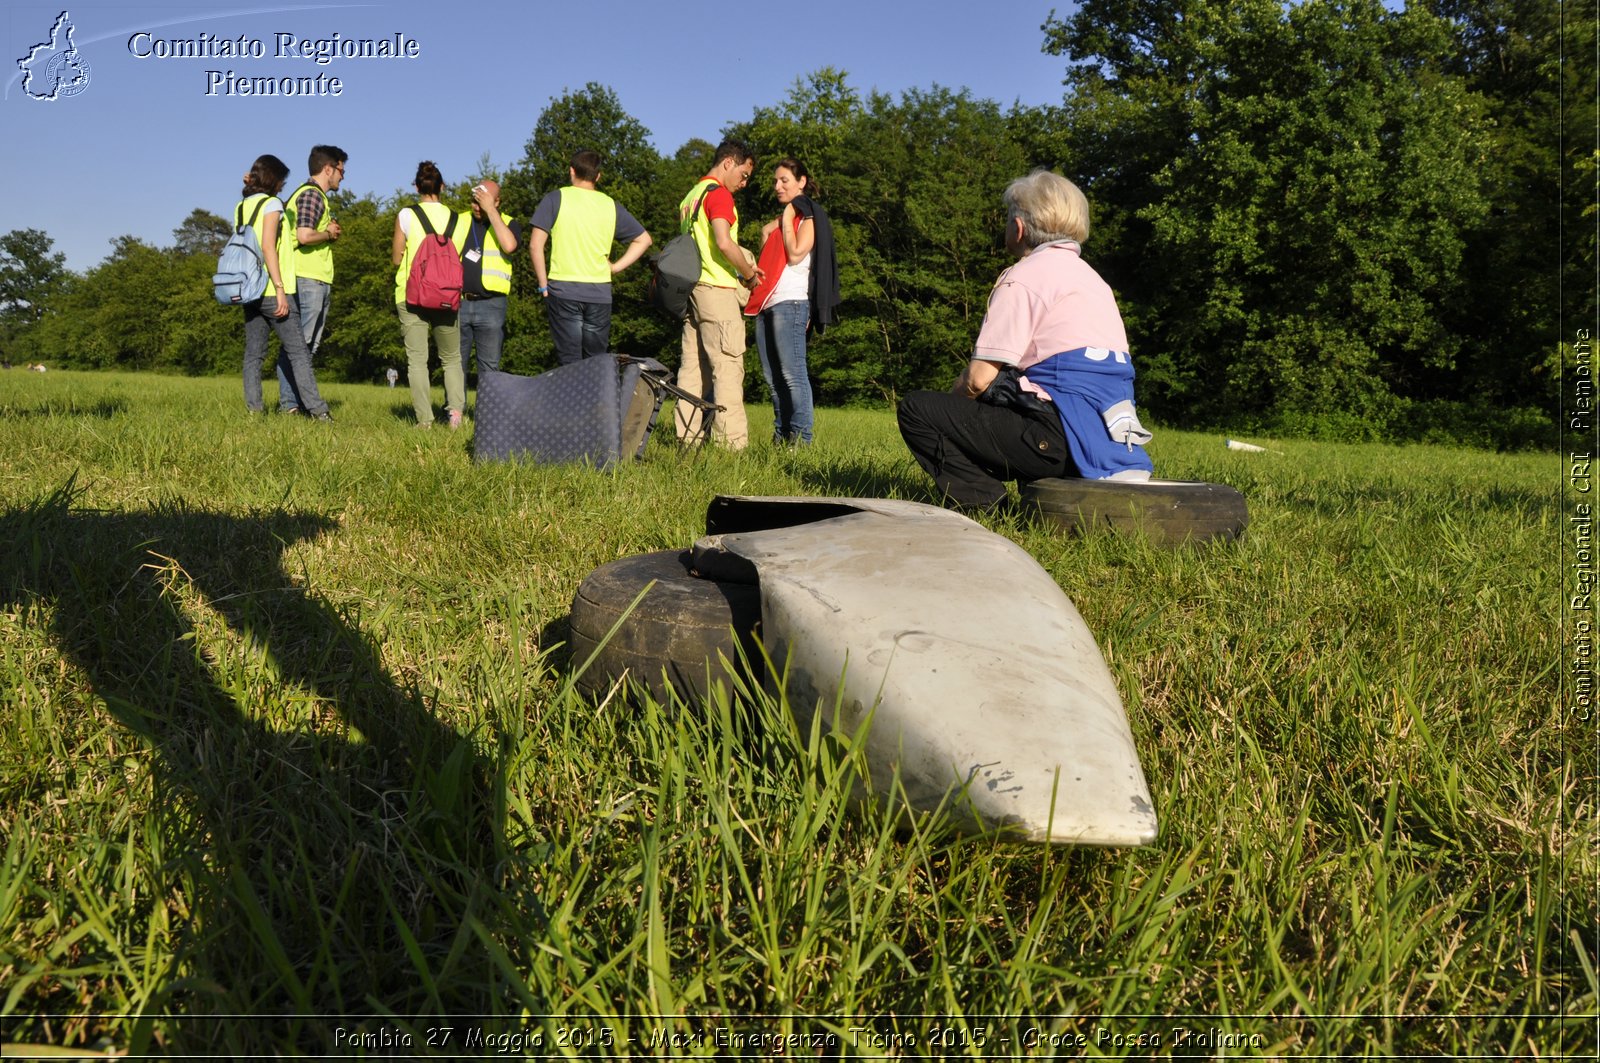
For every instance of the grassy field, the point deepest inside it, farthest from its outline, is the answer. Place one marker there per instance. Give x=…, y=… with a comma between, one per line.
x=290, y=764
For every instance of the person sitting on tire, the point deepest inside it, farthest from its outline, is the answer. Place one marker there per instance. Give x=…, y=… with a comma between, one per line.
x=1049, y=389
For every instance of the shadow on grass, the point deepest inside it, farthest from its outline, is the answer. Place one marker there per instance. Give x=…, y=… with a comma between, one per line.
x=325, y=844
x=846, y=479
x=104, y=409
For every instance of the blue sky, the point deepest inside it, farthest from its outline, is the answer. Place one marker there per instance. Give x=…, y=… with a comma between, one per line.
x=142, y=144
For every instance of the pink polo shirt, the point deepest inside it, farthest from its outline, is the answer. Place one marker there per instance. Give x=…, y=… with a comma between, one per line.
x=1049, y=302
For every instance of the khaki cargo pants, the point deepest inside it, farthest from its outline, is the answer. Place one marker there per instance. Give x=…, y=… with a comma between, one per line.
x=713, y=368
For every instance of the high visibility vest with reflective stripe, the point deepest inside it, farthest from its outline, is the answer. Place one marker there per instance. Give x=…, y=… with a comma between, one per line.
x=715, y=269
x=286, y=243
x=586, y=226
x=495, y=265
x=438, y=217
x=313, y=261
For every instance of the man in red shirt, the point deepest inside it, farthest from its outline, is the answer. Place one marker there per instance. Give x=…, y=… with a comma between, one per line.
x=713, y=336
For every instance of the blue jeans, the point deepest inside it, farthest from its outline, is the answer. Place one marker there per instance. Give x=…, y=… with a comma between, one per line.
x=311, y=301
x=483, y=327
x=781, y=342
x=258, y=325
x=581, y=330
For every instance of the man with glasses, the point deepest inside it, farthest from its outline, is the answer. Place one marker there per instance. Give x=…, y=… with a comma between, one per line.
x=713, y=336
x=315, y=232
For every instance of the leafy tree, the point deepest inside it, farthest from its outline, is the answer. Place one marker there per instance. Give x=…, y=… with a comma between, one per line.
x=815, y=123
x=1041, y=133
x=591, y=117
x=675, y=175
x=114, y=318
x=201, y=337
x=1532, y=64
x=30, y=274
x=913, y=188
x=202, y=233
x=1290, y=188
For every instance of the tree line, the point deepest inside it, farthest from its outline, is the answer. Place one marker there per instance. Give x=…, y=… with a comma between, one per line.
x=1322, y=217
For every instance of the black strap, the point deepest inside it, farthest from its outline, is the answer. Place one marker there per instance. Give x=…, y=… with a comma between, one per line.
x=238, y=212
x=427, y=226
x=659, y=377
x=661, y=383
x=694, y=217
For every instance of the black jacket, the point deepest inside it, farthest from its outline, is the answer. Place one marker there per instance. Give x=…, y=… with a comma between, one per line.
x=824, y=294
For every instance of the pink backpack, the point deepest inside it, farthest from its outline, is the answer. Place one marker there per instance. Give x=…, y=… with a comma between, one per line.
x=435, y=279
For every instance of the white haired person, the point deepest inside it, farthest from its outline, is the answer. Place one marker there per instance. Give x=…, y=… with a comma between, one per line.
x=1049, y=389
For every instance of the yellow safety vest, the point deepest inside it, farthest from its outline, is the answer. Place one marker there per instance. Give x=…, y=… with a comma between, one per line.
x=495, y=265
x=438, y=217
x=715, y=269
x=314, y=262
x=585, y=228
x=286, y=243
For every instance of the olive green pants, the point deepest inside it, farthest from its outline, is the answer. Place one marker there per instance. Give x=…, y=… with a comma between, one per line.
x=415, y=325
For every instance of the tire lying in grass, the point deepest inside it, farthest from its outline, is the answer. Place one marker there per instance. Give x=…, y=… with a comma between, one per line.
x=1169, y=512
x=676, y=638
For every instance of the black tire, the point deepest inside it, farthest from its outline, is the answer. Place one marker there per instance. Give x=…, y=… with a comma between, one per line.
x=675, y=638
x=1170, y=512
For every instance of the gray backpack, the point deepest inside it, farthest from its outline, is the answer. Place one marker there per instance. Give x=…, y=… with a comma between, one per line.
x=676, y=269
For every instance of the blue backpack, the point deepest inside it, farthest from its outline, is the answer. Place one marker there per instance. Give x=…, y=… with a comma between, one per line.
x=241, y=275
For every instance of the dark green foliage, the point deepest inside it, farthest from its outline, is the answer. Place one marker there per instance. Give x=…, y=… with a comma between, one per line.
x=913, y=189
x=592, y=118
x=116, y=315
x=1294, y=189
x=363, y=334
x=1533, y=65
x=30, y=278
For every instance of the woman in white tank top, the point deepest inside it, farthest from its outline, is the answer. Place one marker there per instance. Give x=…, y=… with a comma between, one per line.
x=782, y=303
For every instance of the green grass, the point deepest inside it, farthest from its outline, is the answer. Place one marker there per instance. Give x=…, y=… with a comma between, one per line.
x=288, y=751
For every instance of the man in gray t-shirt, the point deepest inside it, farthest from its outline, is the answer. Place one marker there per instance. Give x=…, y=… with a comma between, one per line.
x=582, y=223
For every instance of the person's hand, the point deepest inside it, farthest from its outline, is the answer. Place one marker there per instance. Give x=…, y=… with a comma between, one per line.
x=282, y=308
x=334, y=230
x=484, y=197
x=788, y=216
x=755, y=271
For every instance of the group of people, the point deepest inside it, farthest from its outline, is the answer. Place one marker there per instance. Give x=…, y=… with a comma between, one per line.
x=790, y=287
x=1048, y=391
x=570, y=240
x=296, y=241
